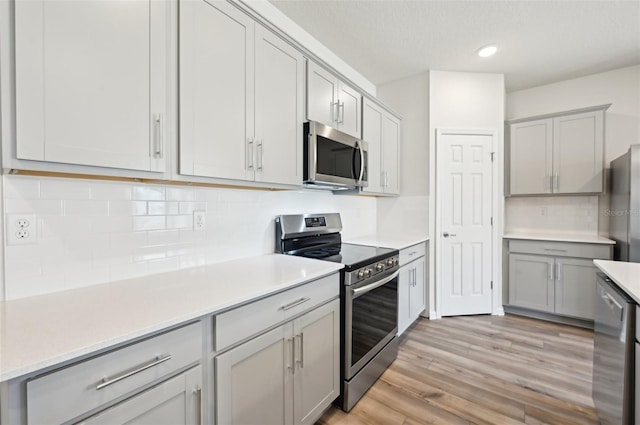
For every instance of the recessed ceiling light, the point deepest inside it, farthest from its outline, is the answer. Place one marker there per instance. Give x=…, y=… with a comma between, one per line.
x=487, y=51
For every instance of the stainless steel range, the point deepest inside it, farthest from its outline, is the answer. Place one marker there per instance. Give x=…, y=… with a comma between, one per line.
x=369, y=296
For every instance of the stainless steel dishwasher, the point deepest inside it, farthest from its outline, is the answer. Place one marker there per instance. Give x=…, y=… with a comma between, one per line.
x=613, y=356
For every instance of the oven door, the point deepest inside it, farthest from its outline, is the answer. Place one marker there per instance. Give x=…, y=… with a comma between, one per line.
x=371, y=320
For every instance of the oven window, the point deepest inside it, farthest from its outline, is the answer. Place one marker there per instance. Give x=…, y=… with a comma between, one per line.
x=374, y=316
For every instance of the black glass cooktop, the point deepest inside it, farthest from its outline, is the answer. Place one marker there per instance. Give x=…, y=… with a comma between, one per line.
x=352, y=256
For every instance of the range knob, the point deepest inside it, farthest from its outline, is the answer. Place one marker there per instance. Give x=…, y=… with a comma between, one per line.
x=361, y=274
x=367, y=272
x=379, y=267
x=390, y=262
x=395, y=261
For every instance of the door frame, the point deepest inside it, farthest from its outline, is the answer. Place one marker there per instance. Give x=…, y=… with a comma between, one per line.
x=497, y=211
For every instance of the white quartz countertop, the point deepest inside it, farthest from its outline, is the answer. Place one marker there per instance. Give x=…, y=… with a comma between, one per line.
x=559, y=237
x=388, y=241
x=625, y=275
x=42, y=331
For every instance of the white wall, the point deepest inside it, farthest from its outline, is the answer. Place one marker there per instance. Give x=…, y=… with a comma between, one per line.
x=2, y=267
x=408, y=213
x=91, y=232
x=619, y=87
x=464, y=100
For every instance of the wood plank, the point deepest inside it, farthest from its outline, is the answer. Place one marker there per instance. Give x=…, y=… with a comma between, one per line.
x=482, y=370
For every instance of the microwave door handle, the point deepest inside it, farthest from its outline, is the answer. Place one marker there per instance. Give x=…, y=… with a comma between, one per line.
x=361, y=162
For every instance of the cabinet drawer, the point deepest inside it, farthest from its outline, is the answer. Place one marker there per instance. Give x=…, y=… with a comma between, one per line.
x=562, y=249
x=66, y=393
x=411, y=253
x=243, y=322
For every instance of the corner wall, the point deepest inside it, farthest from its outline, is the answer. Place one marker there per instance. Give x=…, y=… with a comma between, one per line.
x=408, y=213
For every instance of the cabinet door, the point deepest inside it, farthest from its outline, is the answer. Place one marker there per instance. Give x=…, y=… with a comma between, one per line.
x=90, y=82
x=317, y=362
x=391, y=154
x=349, y=110
x=578, y=152
x=531, y=145
x=575, y=287
x=405, y=280
x=372, y=134
x=418, y=289
x=216, y=90
x=531, y=281
x=254, y=380
x=322, y=88
x=279, y=109
x=175, y=401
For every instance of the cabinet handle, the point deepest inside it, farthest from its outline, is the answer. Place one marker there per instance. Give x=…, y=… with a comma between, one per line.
x=294, y=304
x=130, y=372
x=382, y=178
x=159, y=139
x=550, y=181
x=558, y=272
x=290, y=349
x=301, y=350
x=412, y=253
x=250, y=153
x=550, y=277
x=335, y=111
x=260, y=154
x=555, y=249
x=340, y=106
x=556, y=184
x=198, y=393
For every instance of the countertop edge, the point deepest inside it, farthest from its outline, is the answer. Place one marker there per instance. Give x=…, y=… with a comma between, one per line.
x=620, y=276
x=561, y=238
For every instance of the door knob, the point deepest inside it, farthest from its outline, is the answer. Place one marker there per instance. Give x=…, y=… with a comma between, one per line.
x=446, y=234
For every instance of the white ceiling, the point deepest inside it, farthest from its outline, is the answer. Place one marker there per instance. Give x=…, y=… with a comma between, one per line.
x=540, y=41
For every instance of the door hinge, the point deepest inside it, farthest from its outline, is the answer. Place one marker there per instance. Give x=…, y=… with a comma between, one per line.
x=492, y=284
x=492, y=221
x=492, y=155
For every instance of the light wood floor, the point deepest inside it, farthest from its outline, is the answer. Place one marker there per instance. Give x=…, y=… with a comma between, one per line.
x=482, y=370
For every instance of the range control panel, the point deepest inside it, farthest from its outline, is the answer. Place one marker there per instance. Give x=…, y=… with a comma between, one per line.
x=371, y=271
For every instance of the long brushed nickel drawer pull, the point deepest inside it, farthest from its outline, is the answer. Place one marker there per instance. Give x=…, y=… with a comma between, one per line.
x=294, y=304
x=127, y=373
x=555, y=250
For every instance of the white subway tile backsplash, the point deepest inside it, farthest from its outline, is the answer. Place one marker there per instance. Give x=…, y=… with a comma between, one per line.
x=38, y=206
x=75, y=207
x=146, y=222
x=162, y=208
x=24, y=188
x=111, y=191
x=119, y=230
x=65, y=189
x=180, y=222
x=149, y=193
x=127, y=208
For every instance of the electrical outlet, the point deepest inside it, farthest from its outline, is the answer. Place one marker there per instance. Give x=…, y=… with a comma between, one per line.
x=199, y=221
x=22, y=229
x=543, y=211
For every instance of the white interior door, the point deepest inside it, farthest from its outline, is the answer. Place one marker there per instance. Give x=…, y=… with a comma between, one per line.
x=464, y=204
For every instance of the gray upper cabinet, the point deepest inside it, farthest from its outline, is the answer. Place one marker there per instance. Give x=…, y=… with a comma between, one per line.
x=241, y=97
x=91, y=83
x=381, y=130
x=558, y=153
x=332, y=102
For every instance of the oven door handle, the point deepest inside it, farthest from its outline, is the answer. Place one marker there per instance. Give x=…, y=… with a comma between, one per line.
x=355, y=293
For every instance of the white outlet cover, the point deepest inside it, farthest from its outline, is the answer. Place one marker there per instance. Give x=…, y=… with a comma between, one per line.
x=22, y=229
x=199, y=220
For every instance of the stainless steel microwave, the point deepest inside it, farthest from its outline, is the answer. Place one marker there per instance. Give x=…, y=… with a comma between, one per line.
x=332, y=159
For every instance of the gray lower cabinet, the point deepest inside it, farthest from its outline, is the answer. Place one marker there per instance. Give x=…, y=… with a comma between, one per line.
x=287, y=375
x=531, y=282
x=115, y=385
x=554, y=277
x=176, y=401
